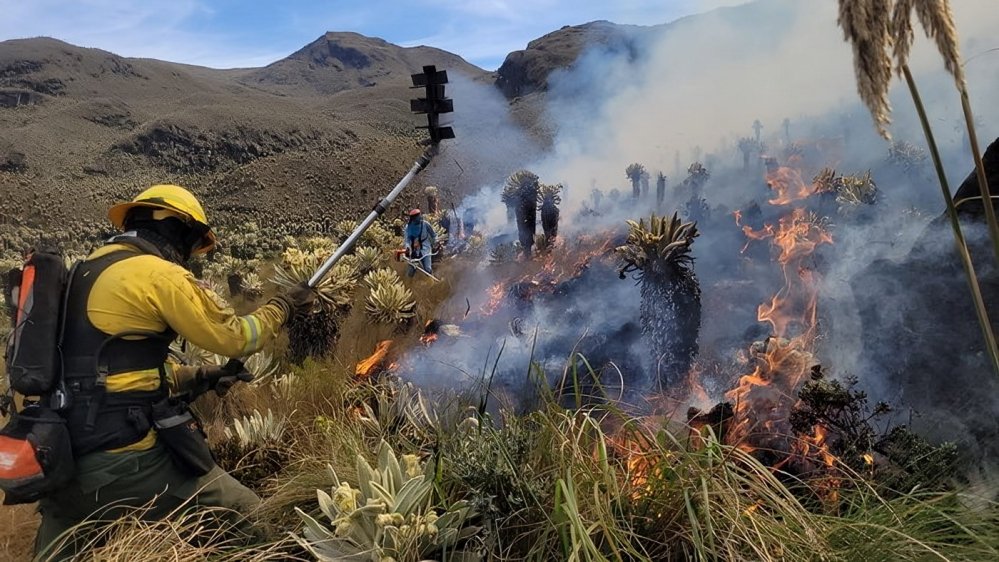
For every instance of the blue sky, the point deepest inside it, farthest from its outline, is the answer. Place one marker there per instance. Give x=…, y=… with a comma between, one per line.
x=234, y=33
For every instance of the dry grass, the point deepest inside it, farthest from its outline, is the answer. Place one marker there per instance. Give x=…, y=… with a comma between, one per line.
x=187, y=536
x=17, y=531
x=557, y=484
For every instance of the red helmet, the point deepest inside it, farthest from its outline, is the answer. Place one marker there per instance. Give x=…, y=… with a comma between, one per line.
x=414, y=212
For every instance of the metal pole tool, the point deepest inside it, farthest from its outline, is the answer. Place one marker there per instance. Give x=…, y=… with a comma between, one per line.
x=433, y=105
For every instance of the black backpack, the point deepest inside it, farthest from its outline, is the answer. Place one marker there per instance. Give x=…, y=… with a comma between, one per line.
x=36, y=455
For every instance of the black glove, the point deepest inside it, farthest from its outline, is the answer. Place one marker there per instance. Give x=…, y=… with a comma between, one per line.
x=296, y=300
x=302, y=296
x=221, y=378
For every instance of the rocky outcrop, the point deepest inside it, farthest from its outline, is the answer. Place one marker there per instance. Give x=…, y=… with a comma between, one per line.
x=527, y=71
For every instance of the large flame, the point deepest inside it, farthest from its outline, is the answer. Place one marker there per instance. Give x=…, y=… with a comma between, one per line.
x=792, y=311
x=764, y=397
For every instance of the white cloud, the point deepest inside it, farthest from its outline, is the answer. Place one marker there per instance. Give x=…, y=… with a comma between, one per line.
x=199, y=31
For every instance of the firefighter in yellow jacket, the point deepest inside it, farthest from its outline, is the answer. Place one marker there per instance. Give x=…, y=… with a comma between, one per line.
x=126, y=302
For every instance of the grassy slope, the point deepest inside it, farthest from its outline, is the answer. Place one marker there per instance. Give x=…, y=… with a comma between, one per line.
x=303, y=138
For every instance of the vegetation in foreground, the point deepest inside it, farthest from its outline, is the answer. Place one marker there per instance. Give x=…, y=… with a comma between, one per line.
x=370, y=472
x=367, y=469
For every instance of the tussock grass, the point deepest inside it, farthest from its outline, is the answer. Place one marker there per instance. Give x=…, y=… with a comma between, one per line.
x=187, y=536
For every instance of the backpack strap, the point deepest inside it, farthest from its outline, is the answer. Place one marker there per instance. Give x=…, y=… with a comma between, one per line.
x=59, y=398
x=101, y=420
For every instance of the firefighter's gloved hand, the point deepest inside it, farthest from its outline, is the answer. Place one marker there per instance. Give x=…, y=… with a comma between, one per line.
x=303, y=297
x=296, y=300
x=221, y=378
x=228, y=381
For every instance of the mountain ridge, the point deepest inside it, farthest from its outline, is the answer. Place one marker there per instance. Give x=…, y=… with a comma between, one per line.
x=327, y=126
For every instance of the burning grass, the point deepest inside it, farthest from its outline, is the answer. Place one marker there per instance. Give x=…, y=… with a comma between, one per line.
x=597, y=484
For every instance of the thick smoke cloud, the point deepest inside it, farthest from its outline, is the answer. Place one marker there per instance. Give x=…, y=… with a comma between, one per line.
x=688, y=91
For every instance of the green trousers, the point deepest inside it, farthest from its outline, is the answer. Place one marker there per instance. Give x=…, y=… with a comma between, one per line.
x=110, y=485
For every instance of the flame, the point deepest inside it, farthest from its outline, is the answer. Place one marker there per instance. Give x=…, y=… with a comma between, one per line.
x=766, y=232
x=798, y=236
x=495, y=298
x=787, y=185
x=698, y=396
x=750, y=233
x=636, y=461
x=549, y=269
x=764, y=396
x=796, y=304
x=430, y=332
x=818, y=443
x=816, y=446
x=370, y=366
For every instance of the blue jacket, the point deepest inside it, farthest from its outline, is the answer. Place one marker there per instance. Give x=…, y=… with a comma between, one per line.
x=423, y=232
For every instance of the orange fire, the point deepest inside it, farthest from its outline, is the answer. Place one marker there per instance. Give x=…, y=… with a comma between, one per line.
x=430, y=331
x=764, y=397
x=787, y=185
x=698, y=396
x=816, y=447
x=798, y=236
x=750, y=233
x=495, y=294
x=636, y=462
x=794, y=307
x=549, y=269
x=375, y=362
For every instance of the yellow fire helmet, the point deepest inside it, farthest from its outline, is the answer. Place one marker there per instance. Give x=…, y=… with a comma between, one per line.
x=174, y=199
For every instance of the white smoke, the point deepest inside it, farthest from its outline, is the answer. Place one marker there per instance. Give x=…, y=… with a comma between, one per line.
x=689, y=90
x=699, y=84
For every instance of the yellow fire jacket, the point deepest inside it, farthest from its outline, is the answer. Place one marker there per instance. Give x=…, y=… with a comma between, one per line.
x=152, y=294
